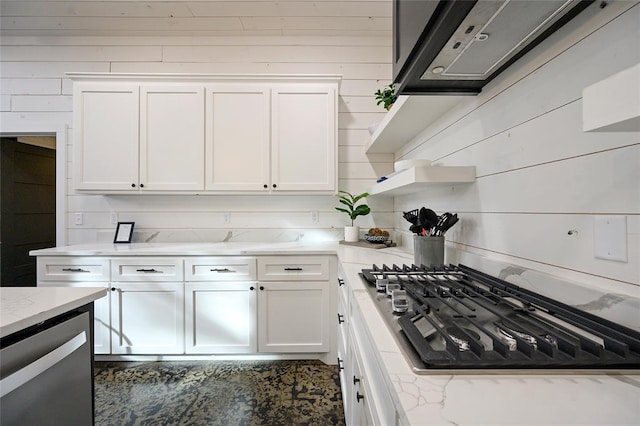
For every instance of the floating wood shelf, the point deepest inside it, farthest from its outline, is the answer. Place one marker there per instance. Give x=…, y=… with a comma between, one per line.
x=408, y=117
x=418, y=178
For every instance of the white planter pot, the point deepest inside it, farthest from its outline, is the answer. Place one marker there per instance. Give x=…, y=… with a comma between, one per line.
x=351, y=234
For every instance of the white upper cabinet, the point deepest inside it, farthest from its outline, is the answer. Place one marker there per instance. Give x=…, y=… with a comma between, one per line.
x=237, y=150
x=194, y=133
x=304, y=138
x=271, y=139
x=105, y=136
x=171, y=137
x=132, y=137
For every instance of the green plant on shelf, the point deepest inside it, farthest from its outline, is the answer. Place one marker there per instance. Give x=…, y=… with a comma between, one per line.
x=387, y=96
x=350, y=201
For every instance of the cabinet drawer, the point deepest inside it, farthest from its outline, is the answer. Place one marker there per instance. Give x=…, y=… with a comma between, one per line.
x=220, y=269
x=293, y=268
x=150, y=269
x=72, y=269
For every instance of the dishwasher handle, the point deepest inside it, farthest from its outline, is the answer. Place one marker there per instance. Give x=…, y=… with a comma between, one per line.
x=39, y=366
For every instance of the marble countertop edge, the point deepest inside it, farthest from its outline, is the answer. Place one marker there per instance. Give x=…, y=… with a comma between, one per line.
x=190, y=249
x=23, y=307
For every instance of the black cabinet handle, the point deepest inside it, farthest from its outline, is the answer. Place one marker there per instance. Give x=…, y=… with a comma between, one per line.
x=251, y=288
x=117, y=289
x=359, y=396
x=293, y=269
x=222, y=270
x=274, y=185
x=265, y=186
x=73, y=270
x=261, y=287
x=340, y=282
x=340, y=366
x=142, y=185
x=147, y=270
x=133, y=185
x=355, y=380
x=340, y=318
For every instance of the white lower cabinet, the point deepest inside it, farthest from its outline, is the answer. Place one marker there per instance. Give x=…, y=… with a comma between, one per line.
x=359, y=400
x=365, y=392
x=62, y=271
x=220, y=317
x=345, y=371
x=294, y=317
x=101, y=315
x=147, y=318
x=174, y=305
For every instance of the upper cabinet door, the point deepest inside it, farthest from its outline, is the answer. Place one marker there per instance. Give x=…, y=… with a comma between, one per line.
x=303, y=142
x=105, y=137
x=171, y=137
x=237, y=128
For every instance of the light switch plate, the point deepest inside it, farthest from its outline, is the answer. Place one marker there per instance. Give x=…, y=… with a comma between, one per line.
x=610, y=238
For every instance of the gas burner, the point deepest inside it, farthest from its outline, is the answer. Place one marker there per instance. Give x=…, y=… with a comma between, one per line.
x=505, y=326
x=509, y=331
x=459, y=338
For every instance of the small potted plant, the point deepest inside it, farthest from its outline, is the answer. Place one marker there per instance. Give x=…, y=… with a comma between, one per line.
x=386, y=96
x=352, y=233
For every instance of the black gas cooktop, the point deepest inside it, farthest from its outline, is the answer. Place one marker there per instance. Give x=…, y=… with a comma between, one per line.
x=461, y=318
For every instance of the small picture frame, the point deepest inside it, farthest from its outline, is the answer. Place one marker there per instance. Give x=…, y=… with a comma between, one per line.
x=124, y=232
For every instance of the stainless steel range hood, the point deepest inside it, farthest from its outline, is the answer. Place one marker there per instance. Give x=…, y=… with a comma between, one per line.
x=465, y=44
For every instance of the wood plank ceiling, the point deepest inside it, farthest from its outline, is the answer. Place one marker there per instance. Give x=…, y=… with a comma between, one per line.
x=194, y=18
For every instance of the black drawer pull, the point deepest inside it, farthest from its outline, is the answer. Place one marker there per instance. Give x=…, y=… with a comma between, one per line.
x=147, y=270
x=73, y=270
x=222, y=270
x=355, y=380
x=340, y=318
x=293, y=269
x=340, y=282
x=359, y=396
x=340, y=366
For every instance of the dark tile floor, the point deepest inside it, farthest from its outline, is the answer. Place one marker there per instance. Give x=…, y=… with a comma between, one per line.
x=218, y=393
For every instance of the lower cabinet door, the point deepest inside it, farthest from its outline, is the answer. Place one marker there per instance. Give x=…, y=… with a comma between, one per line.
x=101, y=315
x=359, y=404
x=294, y=317
x=147, y=318
x=345, y=370
x=220, y=317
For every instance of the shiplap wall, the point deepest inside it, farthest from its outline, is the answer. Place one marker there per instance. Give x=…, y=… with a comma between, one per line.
x=538, y=174
x=34, y=90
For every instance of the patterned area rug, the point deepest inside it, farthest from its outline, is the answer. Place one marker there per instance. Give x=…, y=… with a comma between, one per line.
x=218, y=393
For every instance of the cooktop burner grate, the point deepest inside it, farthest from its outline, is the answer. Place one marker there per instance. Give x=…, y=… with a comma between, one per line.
x=462, y=318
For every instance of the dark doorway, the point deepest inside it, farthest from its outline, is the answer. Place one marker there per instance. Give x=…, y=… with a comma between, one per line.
x=28, y=206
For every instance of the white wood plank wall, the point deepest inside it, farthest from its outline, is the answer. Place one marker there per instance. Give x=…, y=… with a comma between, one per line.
x=538, y=174
x=34, y=90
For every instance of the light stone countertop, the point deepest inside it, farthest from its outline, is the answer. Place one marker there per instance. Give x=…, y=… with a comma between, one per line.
x=493, y=398
x=190, y=249
x=22, y=307
x=490, y=398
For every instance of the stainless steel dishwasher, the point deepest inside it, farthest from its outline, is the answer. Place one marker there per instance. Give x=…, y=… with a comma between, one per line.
x=46, y=375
